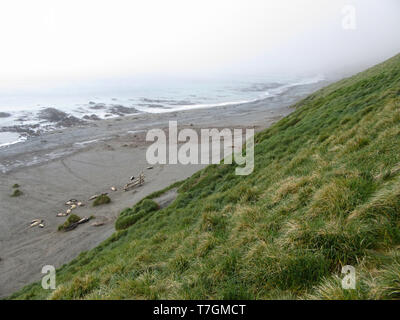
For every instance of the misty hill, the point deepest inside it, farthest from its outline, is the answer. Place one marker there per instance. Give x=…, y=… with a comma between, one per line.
x=325, y=193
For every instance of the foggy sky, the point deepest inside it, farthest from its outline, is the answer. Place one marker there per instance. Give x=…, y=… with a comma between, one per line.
x=52, y=41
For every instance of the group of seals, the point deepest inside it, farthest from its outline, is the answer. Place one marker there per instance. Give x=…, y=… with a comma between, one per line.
x=73, y=203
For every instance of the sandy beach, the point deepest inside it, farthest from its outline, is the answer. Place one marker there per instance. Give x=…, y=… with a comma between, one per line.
x=78, y=162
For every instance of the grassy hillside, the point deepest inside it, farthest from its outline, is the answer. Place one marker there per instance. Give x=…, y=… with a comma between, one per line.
x=325, y=193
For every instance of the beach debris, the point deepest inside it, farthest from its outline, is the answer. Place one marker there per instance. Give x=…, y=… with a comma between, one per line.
x=136, y=182
x=149, y=168
x=97, y=195
x=113, y=189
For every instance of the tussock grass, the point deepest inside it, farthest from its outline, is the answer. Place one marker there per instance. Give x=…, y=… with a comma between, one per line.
x=325, y=193
x=73, y=218
x=102, y=199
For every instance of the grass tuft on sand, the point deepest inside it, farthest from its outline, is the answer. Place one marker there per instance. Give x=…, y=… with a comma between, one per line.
x=100, y=200
x=73, y=218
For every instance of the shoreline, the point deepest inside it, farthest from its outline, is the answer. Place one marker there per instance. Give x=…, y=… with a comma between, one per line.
x=80, y=161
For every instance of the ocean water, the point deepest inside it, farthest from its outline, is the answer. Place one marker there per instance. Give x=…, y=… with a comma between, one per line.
x=20, y=111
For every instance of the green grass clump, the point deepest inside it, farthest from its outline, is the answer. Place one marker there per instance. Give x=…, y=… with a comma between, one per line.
x=16, y=193
x=73, y=218
x=325, y=192
x=129, y=217
x=102, y=199
x=15, y=186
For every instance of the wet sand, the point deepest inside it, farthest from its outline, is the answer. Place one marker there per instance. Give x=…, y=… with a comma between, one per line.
x=81, y=161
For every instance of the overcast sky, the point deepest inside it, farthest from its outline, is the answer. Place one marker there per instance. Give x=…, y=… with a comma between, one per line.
x=50, y=41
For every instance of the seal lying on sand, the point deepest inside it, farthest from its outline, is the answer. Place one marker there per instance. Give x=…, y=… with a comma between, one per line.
x=35, y=223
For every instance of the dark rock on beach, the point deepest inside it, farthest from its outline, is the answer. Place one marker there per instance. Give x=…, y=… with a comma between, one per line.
x=5, y=114
x=23, y=118
x=92, y=117
x=61, y=118
x=122, y=110
x=52, y=115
